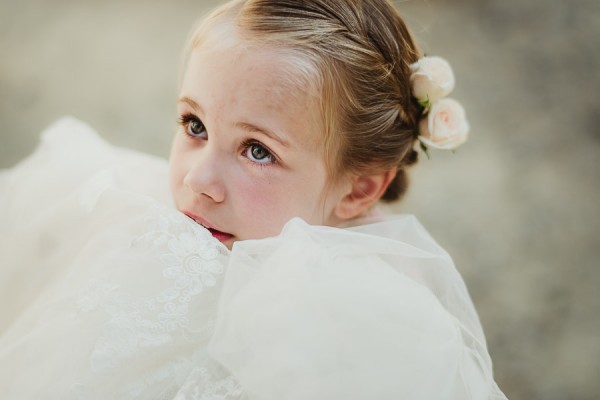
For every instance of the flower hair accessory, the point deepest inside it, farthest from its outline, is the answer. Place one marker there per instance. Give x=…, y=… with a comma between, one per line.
x=444, y=124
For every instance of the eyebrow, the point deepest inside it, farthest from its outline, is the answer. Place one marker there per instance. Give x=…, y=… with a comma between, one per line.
x=264, y=131
x=190, y=102
x=243, y=125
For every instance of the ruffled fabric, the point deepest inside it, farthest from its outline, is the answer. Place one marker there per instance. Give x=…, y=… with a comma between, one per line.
x=377, y=311
x=108, y=292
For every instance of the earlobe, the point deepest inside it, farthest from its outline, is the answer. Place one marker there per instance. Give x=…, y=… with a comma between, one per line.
x=365, y=191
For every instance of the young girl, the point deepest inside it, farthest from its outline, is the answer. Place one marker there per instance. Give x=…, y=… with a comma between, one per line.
x=296, y=118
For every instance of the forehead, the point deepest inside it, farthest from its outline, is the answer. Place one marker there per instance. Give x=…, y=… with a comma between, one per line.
x=288, y=68
x=272, y=85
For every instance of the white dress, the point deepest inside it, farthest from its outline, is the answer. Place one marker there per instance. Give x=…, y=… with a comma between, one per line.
x=108, y=292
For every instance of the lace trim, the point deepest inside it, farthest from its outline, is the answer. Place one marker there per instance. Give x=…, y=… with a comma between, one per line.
x=202, y=385
x=190, y=256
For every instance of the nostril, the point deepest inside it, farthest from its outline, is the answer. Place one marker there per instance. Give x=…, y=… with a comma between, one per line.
x=204, y=178
x=211, y=190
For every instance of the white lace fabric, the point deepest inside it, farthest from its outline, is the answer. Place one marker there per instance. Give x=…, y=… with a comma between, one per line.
x=107, y=292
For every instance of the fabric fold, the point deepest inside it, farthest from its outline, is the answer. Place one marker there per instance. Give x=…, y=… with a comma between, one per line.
x=108, y=292
x=323, y=313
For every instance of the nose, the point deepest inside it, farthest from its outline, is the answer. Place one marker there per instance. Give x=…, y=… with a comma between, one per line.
x=205, y=176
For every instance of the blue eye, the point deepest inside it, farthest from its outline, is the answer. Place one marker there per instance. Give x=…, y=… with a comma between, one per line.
x=196, y=128
x=259, y=153
x=193, y=126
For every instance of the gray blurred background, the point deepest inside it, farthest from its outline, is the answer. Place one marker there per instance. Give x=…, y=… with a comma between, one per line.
x=517, y=206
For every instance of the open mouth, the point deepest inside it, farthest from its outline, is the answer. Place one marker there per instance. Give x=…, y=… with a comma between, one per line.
x=217, y=234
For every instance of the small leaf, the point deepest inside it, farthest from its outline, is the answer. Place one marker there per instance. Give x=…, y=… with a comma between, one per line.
x=425, y=149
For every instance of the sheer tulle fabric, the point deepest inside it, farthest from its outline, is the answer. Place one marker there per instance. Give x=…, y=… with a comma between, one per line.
x=107, y=291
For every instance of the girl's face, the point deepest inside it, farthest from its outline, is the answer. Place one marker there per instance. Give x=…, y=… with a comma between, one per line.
x=248, y=155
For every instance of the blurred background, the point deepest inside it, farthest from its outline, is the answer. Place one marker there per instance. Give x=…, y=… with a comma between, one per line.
x=517, y=206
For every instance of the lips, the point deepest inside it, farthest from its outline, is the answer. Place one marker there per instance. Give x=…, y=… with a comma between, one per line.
x=219, y=235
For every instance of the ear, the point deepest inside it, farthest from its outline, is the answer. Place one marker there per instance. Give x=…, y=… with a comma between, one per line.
x=364, y=191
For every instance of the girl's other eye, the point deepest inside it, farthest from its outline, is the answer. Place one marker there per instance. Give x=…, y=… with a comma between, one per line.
x=193, y=126
x=258, y=153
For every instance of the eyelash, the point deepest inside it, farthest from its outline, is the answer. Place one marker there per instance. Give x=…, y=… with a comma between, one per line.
x=247, y=145
x=185, y=120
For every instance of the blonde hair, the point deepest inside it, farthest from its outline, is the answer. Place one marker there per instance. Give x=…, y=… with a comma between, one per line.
x=359, y=54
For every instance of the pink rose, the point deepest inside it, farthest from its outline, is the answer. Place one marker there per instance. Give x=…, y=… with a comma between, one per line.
x=445, y=127
x=432, y=78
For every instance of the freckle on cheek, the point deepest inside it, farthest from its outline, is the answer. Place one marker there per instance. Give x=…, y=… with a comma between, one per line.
x=255, y=195
x=258, y=202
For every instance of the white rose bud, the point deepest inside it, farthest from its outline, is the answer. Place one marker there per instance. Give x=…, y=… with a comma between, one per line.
x=445, y=127
x=431, y=79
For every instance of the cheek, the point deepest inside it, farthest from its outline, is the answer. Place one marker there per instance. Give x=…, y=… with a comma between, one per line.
x=256, y=196
x=272, y=203
x=177, y=168
x=266, y=206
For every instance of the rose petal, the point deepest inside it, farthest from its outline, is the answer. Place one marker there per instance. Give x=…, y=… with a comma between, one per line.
x=432, y=79
x=445, y=127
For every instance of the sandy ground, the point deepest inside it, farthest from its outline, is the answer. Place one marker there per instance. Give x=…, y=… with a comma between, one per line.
x=517, y=207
